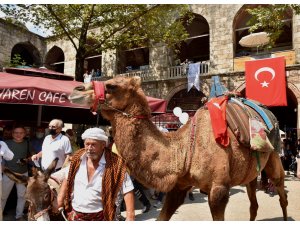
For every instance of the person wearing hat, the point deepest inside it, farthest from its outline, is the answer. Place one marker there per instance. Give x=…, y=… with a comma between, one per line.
x=93, y=180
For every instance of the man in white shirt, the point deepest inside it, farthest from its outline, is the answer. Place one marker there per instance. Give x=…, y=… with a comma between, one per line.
x=7, y=154
x=55, y=145
x=94, y=178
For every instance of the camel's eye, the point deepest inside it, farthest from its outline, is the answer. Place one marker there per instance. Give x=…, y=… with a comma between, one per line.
x=111, y=88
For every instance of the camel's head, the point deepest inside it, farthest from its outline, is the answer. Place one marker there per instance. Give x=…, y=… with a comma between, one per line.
x=114, y=94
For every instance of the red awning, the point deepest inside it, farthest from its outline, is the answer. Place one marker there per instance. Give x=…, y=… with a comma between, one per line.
x=42, y=91
x=39, y=72
x=157, y=105
x=36, y=90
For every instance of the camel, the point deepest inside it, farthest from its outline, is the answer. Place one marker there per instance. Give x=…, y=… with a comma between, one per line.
x=42, y=189
x=174, y=162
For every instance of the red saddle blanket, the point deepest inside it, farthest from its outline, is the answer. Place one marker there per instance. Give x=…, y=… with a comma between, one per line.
x=217, y=111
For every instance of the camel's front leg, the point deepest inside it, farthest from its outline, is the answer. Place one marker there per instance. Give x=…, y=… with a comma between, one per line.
x=218, y=199
x=173, y=200
x=251, y=191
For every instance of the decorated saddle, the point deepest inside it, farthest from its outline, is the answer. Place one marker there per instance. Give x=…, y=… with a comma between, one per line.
x=252, y=123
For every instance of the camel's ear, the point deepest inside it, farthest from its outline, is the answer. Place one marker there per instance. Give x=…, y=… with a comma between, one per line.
x=50, y=169
x=136, y=82
x=17, y=177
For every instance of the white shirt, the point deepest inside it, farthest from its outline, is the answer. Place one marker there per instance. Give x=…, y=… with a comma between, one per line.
x=87, y=197
x=57, y=147
x=6, y=153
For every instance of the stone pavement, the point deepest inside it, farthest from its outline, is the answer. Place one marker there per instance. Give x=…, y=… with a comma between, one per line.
x=237, y=208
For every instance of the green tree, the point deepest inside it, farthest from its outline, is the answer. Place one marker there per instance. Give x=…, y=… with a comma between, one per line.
x=93, y=28
x=15, y=61
x=270, y=18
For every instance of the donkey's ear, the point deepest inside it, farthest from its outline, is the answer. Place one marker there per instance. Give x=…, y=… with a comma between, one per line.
x=17, y=177
x=50, y=169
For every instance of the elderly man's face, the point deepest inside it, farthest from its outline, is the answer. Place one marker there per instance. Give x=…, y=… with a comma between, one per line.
x=94, y=148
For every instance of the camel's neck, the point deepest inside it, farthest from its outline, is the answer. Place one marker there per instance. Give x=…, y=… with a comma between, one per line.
x=148, y=153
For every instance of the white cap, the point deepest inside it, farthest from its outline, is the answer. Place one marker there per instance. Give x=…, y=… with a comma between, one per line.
x=95, y=133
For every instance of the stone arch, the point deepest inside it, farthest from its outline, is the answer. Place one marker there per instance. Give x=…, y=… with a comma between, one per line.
x=28, y=52
x=196, y=47
x=240, y=29
x=191, y=100
x=55, y=59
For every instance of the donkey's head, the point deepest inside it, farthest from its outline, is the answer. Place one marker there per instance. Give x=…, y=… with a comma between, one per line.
x=38, y=192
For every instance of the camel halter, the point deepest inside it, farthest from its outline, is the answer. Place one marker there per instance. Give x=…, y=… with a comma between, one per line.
x=99, y=90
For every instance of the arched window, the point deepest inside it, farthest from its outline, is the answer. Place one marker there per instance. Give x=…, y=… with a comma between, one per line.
x=28, y=53
x=196, y=47
x=55, y=59
x=135, y=58
x=241, y=29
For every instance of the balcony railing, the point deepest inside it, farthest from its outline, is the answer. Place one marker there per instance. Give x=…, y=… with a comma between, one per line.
x=174, y=72
x=145, y=75
x=181, y=71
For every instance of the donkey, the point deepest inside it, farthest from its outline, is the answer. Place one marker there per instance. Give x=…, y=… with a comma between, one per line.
x=42, y=189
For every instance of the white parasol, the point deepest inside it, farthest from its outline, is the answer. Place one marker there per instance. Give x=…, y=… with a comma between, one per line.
x=255, y=40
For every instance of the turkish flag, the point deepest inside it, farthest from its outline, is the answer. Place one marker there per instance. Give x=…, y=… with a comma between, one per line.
x=265, y=81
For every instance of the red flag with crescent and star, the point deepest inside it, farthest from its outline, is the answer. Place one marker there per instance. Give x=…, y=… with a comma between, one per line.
x=266, y=82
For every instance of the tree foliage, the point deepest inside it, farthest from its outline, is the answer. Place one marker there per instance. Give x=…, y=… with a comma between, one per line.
x=93, y=28
x=271, y=18
x=16, y=61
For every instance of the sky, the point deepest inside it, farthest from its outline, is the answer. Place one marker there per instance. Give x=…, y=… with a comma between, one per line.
x=32, y=28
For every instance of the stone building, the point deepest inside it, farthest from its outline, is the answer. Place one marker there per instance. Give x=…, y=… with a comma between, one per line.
x=214, y=36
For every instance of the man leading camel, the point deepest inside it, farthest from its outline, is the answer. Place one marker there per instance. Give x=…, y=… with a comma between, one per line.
x=94, y=179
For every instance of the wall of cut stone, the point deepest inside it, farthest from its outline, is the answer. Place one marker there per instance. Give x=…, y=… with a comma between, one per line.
x=10, y=35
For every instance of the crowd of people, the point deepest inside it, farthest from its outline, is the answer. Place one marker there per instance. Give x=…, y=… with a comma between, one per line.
x=91, y=189
x=83, y=194
x=290, y=151
x=30, y=148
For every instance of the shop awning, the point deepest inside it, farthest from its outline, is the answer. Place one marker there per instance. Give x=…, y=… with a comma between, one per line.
x=52, y=95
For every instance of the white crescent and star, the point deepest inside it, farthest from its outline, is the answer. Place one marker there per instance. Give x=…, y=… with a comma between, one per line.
x=264, y=69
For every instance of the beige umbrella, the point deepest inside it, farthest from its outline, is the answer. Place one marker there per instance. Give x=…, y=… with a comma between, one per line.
x=255, y=40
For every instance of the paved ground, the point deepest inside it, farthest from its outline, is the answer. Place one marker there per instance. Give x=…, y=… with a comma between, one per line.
x=236, y=210
x=238, y=206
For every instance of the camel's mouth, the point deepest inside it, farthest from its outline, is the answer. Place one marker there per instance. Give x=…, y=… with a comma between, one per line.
x=78, y=98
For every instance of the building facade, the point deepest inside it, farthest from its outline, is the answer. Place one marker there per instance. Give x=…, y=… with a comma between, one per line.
x=214, y=36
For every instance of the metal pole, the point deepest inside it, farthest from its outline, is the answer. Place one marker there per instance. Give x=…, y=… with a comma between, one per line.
x=39, y=117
